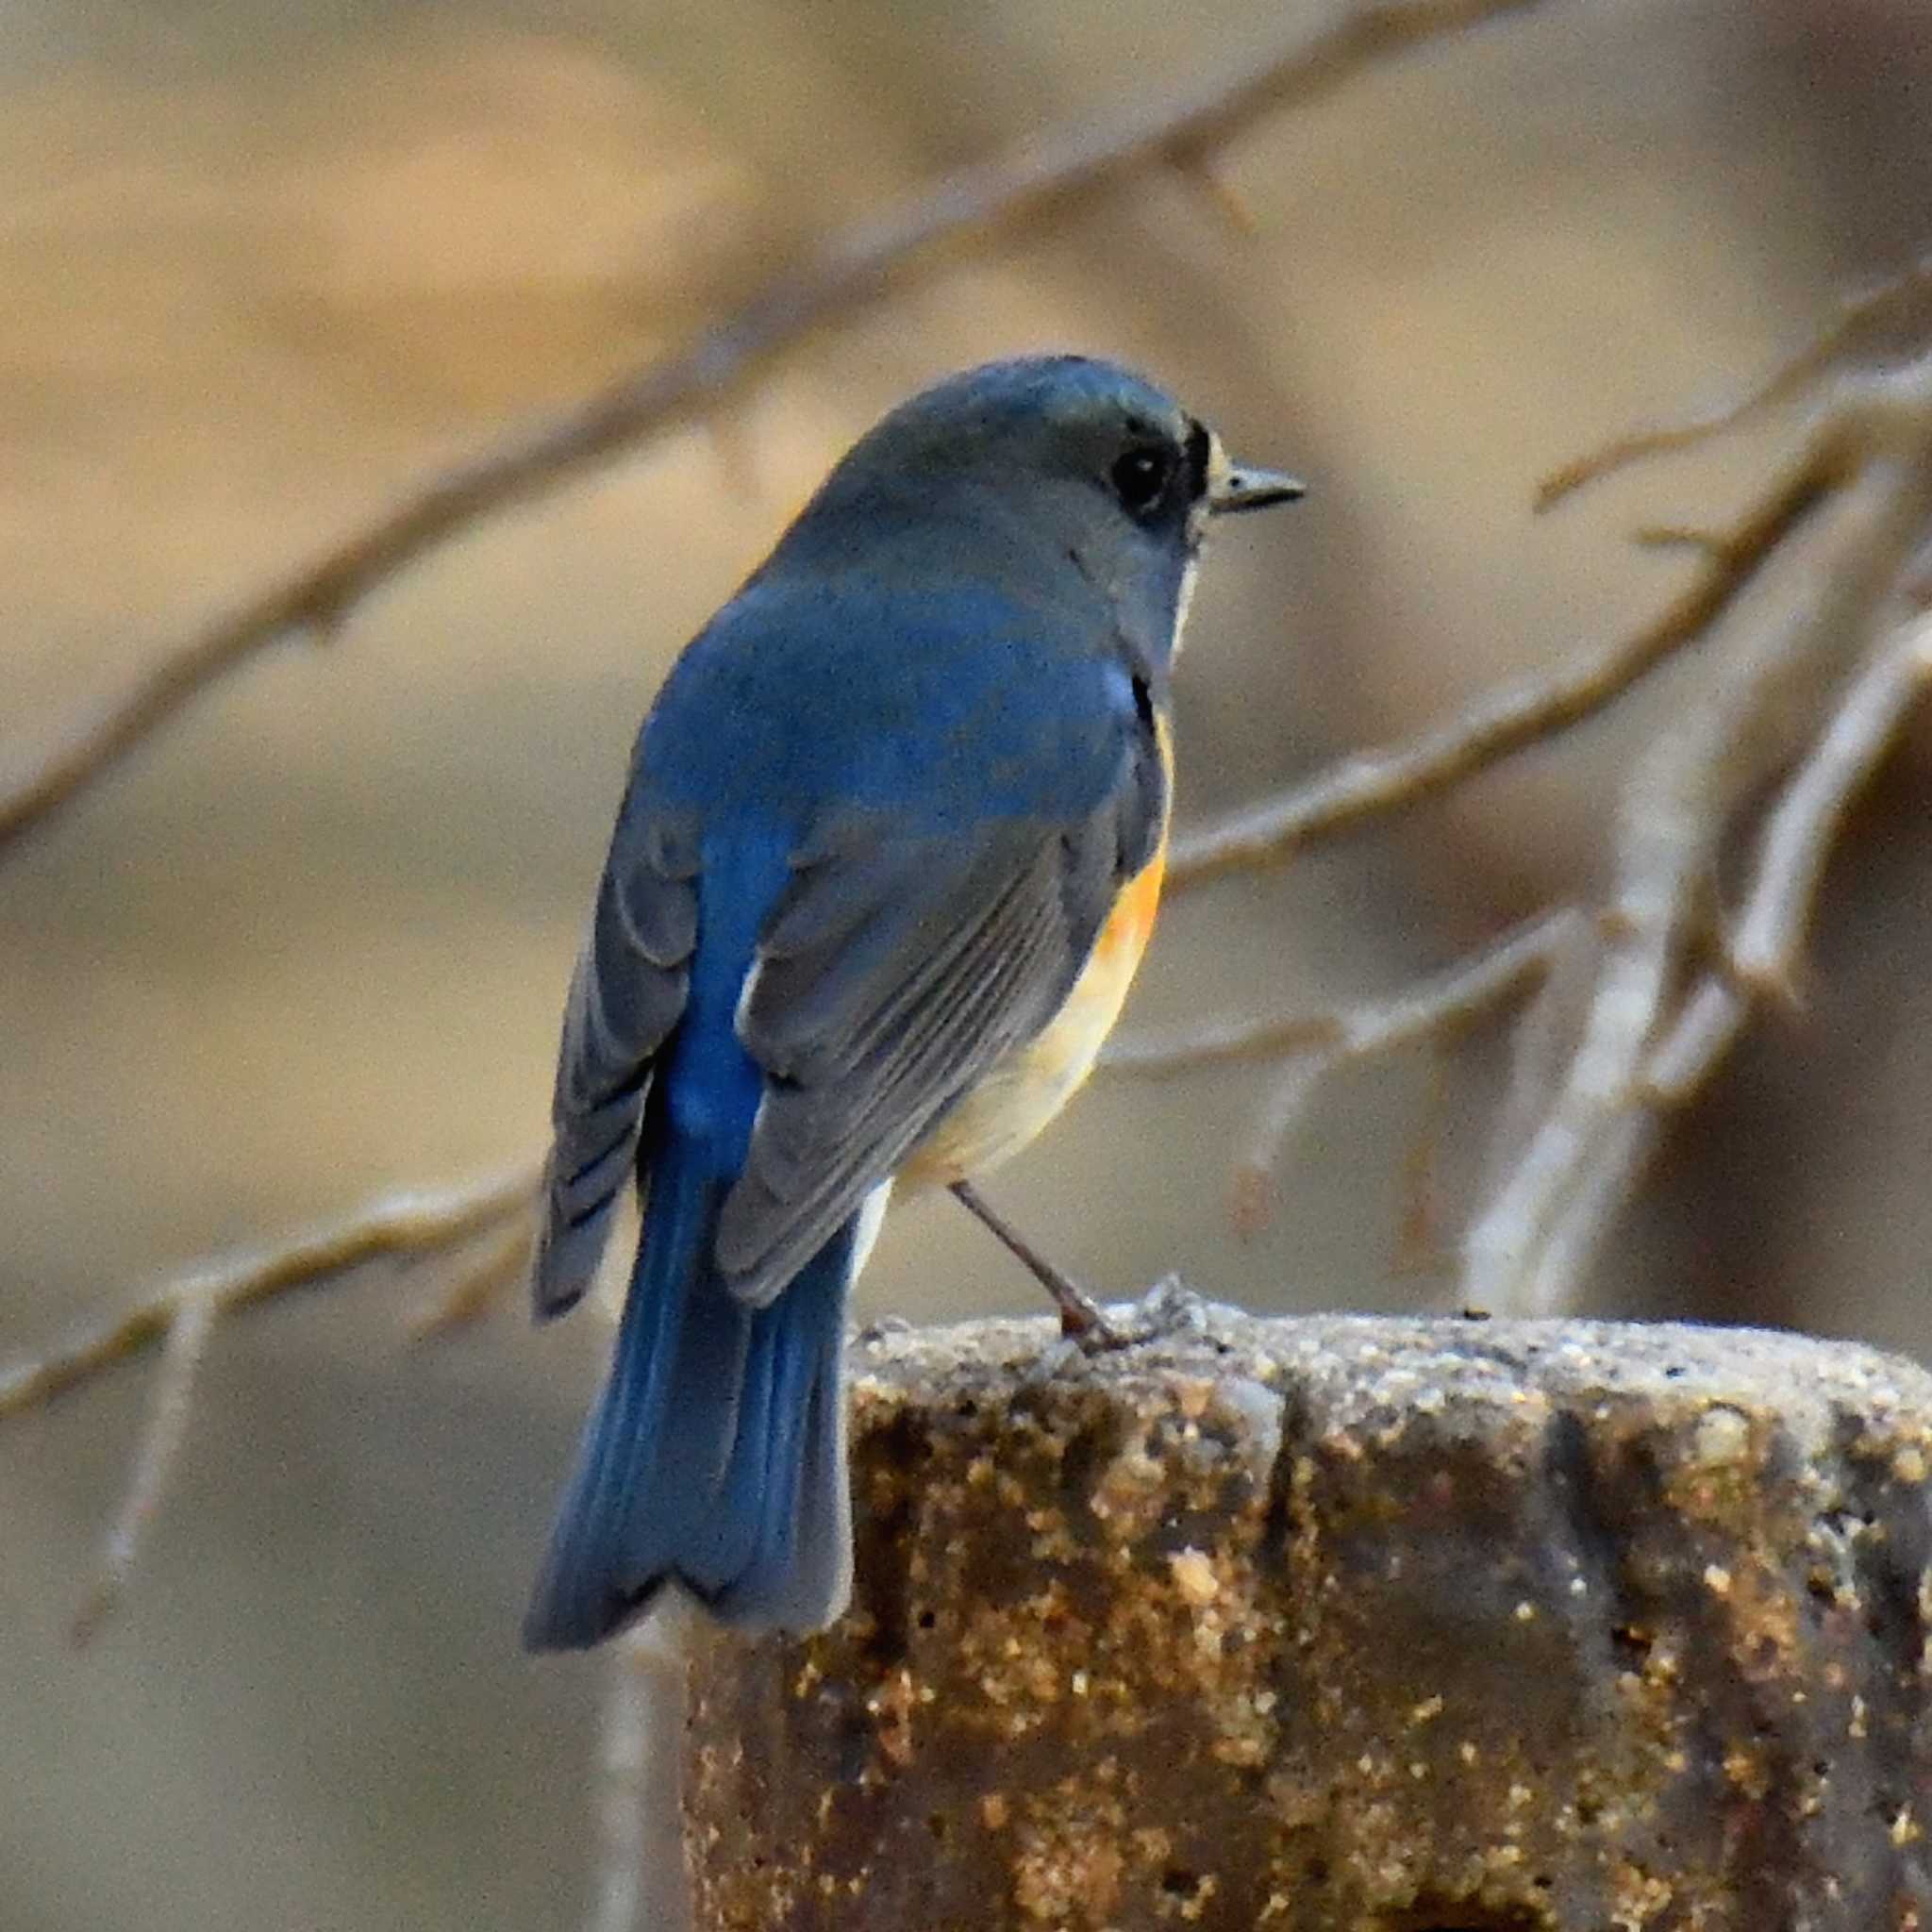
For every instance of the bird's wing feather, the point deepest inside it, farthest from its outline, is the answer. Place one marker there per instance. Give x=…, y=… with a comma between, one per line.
x=625, y=996
x=895, y=970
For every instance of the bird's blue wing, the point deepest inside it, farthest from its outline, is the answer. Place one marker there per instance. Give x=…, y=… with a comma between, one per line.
x=939, y=908
x=625, y=997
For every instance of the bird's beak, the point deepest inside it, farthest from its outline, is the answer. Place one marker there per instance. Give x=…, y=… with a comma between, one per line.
x=1237, y=487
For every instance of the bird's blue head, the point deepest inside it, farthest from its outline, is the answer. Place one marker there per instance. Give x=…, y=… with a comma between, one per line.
x=1060, y=480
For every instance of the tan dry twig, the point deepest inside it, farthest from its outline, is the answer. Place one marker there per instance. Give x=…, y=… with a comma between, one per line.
x=1457, y=996
x=1511, y=717
x=1858, y=316
x=1781, y=685
x=408, y=1224
x=852, y=272
x=181, y=1316
x=1439, y=1006
x=473, y=1289
x=167, y=1424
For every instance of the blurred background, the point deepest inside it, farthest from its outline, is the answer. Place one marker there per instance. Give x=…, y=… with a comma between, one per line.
x=265, y=263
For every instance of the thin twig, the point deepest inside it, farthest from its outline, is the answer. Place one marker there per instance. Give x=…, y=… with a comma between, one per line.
x=154, y=1461
x=1506, y=719
x=1707, y=1023
x=1436, y=1008
x=1778, y=689
x=1253, y=1193
x=1541, y=1041
x=1442, y=1007
x=404, y=1224
x=1457, y=996
x=473, y=1289
x=1858, y=317
x=1420, y=1248
x=854, y=271
x=622, y=1766
x=1803, y=828
x=1798, y=840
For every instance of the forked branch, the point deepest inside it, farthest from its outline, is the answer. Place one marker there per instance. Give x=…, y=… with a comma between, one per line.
x=849, y=273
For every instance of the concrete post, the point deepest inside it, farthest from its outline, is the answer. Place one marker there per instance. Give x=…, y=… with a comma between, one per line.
x=1425, y=1625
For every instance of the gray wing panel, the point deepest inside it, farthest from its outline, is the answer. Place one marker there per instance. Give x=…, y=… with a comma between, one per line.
x=894, y=974
x=624, y=998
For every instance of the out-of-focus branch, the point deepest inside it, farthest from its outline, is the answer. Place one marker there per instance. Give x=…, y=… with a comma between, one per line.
x=1804, y=692
x=1512, y=716
x=474, y=1290
x=1861, y=316
x=637, y=1779
x=624, y=1763
x=410, y=1226
x=852, y=272
x=181, y=1315
x=1444, y=1002
x=1439, y=1006
x=186, y=1343
x=1803, y=827
x=1761, y=958
x=1438, y=1010
x=1784, y=686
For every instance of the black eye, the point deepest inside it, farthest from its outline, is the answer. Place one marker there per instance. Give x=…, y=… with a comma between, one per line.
x=1140, y=477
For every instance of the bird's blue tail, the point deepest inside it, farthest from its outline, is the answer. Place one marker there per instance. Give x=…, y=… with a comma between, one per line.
x=715, y=1455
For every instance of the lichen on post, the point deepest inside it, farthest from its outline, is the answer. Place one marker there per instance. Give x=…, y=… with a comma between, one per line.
x=1378, y=1624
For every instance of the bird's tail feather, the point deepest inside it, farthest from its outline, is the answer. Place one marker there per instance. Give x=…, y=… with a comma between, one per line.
x=716, y=1453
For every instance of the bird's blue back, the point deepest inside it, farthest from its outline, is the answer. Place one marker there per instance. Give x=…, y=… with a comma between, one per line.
x=788, y=705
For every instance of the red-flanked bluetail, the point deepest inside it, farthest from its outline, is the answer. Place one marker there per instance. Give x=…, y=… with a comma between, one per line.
x=888, y=860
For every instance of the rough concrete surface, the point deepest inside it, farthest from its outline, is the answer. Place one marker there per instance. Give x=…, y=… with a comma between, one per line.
x=1379, y=1624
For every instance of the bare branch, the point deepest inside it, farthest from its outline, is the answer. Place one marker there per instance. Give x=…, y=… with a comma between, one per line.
x=637, y=1777
x=1798, y=837
x=854, y=271
x=1778, y=689
x=1419, y=1246
x=1506, y=719
x=1605, y=1166
x=1800, y=834
x=1438, y=1007
x=1859, y=317
x=1252, y=1196
x=473, y=1289
x=1541, y=1041
x=405, y=1224
x=154, y=1461
x=1456, y=997
x=623, y=1764
x=1706, y=1025
x=1197, y=173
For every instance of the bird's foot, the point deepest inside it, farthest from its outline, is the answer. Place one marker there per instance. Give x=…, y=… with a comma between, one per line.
x=1169, y=1307
x=1082, y=1320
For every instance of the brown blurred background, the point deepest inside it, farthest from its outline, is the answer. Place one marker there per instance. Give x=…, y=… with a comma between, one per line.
x=264, y=263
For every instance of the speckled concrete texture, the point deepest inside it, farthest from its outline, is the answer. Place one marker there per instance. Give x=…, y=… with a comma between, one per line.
x=1364, y=1623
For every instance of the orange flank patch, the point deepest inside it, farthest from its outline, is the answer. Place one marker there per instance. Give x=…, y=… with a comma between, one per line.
x=1026, y=1089
x=1131, y=921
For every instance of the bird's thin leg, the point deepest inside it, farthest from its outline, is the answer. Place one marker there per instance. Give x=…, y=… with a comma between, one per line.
x=1081, y=1316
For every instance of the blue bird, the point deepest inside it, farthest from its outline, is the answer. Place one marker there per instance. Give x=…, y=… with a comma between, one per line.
x=889, y=857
